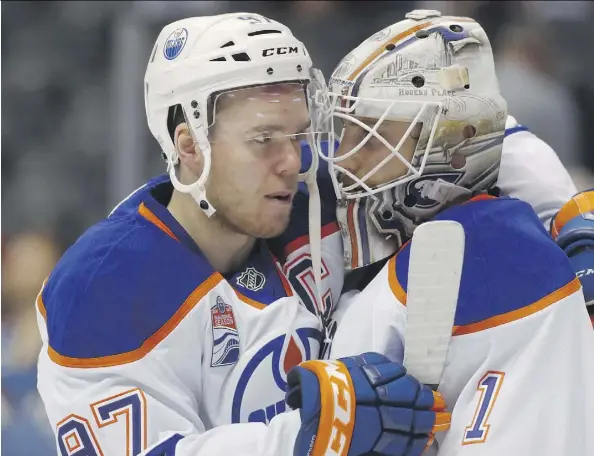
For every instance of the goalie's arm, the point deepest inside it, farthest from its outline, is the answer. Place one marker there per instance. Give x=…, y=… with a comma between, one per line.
x=530, y=170
x=531, y=394
x=521, y=321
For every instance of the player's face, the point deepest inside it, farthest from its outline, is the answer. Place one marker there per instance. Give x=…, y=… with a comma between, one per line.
x=255, y=160
x=374, y=151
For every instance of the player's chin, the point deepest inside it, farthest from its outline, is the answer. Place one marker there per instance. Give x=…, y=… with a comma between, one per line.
x=273, y=224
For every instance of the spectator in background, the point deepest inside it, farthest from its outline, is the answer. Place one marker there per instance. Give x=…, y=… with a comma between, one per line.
x=525, y=67
x=27, y=259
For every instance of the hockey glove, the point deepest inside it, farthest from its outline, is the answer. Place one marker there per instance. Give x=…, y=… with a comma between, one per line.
x=363, y=404
x=573, y=230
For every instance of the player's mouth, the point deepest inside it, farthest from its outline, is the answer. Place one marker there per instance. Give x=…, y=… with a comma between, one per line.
x=281, y=197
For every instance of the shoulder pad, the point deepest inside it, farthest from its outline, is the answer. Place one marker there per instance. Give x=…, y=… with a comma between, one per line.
x=512, y=267
x=119, y=285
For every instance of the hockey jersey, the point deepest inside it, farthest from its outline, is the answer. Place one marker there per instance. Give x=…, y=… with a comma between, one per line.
x=531, y=171
x=140, y=335
x=143, y=343
x=519, y=368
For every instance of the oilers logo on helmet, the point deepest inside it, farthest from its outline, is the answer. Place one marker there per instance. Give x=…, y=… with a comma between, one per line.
x=266, y=371
x=225, y=337
x=175, y=43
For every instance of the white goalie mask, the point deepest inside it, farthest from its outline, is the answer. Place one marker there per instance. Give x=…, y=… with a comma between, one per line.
x=196, y=60
x=423, y=92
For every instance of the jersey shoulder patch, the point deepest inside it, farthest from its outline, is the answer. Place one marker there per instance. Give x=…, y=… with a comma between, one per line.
x=123, y=281
x=511, y=264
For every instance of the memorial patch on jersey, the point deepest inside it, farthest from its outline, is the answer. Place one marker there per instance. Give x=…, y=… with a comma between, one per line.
x=225, y=337
x=251, y=279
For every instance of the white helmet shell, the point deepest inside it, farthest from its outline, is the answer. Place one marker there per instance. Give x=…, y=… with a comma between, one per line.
x=197, y=57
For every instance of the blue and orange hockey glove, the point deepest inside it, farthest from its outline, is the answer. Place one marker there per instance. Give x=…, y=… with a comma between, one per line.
x=363, y=404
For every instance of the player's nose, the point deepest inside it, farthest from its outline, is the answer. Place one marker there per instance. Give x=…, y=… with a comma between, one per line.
x=351, y=162
x=289, y=158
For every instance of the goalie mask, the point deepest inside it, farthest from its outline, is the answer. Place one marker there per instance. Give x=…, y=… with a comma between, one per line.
x=416, y=123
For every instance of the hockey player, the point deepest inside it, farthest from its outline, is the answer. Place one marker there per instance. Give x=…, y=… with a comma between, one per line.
x=420, y=121
x=168, y=328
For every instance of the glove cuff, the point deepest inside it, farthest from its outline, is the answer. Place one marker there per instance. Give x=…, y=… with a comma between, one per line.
x=337, y=414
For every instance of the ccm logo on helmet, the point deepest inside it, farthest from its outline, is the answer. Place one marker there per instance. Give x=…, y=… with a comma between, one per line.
x=280, y=51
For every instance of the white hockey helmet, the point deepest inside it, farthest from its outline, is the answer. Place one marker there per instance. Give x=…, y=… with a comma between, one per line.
x=427, y=69
x=195, y=59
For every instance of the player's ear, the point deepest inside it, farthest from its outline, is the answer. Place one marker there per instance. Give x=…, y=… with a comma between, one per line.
x=188, y=151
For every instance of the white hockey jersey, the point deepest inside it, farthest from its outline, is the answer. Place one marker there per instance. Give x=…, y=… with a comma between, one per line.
x=520, y=367
x=531, y=171
x=144, y=343
x=142, y=340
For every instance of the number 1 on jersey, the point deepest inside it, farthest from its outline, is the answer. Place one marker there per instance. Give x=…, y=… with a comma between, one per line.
x=489, y=387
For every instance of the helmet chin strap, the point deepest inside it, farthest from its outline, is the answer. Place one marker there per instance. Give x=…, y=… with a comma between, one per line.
x=315, y=237
x=198, y=189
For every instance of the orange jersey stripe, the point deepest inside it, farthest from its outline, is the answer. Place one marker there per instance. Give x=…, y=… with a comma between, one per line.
x=397, y=289
x=148, y=214
x=508, y=317
x=286, y=285
x=395, y=286
x=39, y=302
x=150, y=343
x=249, y=301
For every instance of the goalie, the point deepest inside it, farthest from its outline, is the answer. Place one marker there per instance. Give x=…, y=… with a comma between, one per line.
x=420, y=121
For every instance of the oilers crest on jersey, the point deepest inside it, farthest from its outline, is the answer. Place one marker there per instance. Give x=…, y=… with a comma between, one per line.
x=225, y=337
x=276, y=356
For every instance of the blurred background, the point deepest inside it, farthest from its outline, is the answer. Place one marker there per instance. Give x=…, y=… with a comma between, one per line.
x=75, y=141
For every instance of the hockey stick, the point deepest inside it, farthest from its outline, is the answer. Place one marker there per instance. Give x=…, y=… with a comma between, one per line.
x=434, y=273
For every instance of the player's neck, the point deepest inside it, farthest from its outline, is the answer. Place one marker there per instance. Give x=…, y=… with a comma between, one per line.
x=225, y=249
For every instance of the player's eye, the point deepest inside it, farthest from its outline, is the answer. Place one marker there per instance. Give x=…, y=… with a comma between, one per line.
x=262, y=138
x=373, y=142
